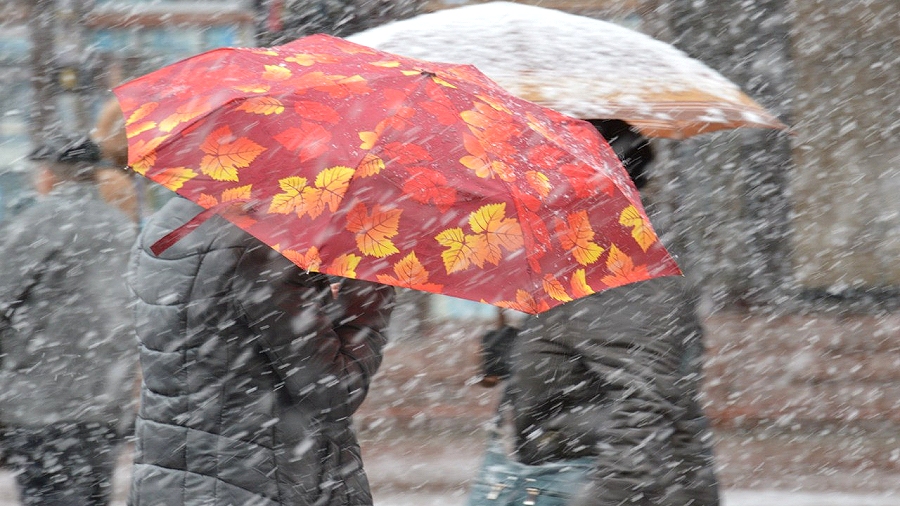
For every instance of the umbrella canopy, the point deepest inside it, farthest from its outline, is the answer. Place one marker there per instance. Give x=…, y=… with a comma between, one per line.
x=365, y=164
x=580, y=66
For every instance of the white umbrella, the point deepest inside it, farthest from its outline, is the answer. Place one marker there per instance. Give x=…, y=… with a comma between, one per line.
x=580, y=66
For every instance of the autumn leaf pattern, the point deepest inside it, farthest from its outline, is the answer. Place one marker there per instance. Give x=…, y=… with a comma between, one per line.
x=362, y=164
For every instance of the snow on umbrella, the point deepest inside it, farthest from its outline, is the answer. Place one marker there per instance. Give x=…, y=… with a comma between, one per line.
x=364, y=164
x=580, y=66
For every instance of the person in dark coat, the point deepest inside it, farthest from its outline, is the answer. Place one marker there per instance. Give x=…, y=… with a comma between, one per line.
x=252, y=369
x=68, y=350
x=615, y=376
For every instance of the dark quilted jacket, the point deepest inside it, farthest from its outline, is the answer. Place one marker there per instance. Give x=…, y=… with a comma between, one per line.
x=252, y=370
x=615, y=376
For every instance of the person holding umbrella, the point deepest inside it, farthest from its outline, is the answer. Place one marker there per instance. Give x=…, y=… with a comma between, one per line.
x=613, y=377
x=68, y=351
x=252, y=369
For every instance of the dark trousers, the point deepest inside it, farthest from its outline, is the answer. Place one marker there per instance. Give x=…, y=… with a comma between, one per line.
x=64, y=464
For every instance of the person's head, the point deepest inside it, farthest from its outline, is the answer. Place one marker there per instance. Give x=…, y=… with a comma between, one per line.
x=65, y=159
x=632, y=148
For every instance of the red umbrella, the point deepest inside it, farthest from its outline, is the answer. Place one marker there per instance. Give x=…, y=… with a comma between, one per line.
x=365, y=164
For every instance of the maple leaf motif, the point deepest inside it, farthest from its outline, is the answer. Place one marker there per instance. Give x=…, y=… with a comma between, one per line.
x=525, y=303
x=174, y=178
x=580, y=288
x=494, y=127
x=137, y=129
x=183, y=114
x=276, y=73
x=368, y=139
x=316, y=111
x=309, y=261
x=330, y=186
x=388, y=64
x=577, y=236
x=539, y=182
x=252, y=88
x=336, y=86
x=479, y=161
x=142, y=154
x=405, y=153
x=426, y=185
x=457, y=255
x=493, y=230
x=291, y=197
x=622, y=269
x=410, y=273
x=344, y=265
x=555, y=289
x=309, y=140
x=310, y=59
x=207, y=201
x=135, y=125
x=439, y=106
x=237, y=193
x=262, y=105
x=141, y=112
x=587, y=181
x=369, y=166
x=374, y=231
x=641, y=230
x=225, y=154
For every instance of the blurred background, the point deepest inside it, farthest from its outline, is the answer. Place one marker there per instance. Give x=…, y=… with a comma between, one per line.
x=793, y=236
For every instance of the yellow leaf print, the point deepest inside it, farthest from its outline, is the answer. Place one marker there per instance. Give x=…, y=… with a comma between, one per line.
x=641, y=229
x=276, y=73
x=290, y=199
x=555, y=289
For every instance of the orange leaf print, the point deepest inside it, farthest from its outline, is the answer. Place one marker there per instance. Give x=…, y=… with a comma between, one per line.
x=141, y=112
x=623, y=269
x=276, y=73
x=337, y=86
x=309, y=140
x=316, y=111
x=183, y=114
x=207, y=201
x=426, y=185
x=586, y=180
x=577, y=236
x=134, y=125
x=410, y=273
x=641, y=230
x=369, y=166
x=479, y=161
x=174, y=178
x=344, y=265
x=457, y=255
x=439, y=106
x=493, y=230
x=309, y=261
x=142, y=155
x=374, y=231
x=539, y=182
x=265, y=106
x=226, y=154
x=580, y=288
x=291, y=197
x=238, y=193
x=555, y=289
x=525, y=303
x=406, y=153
